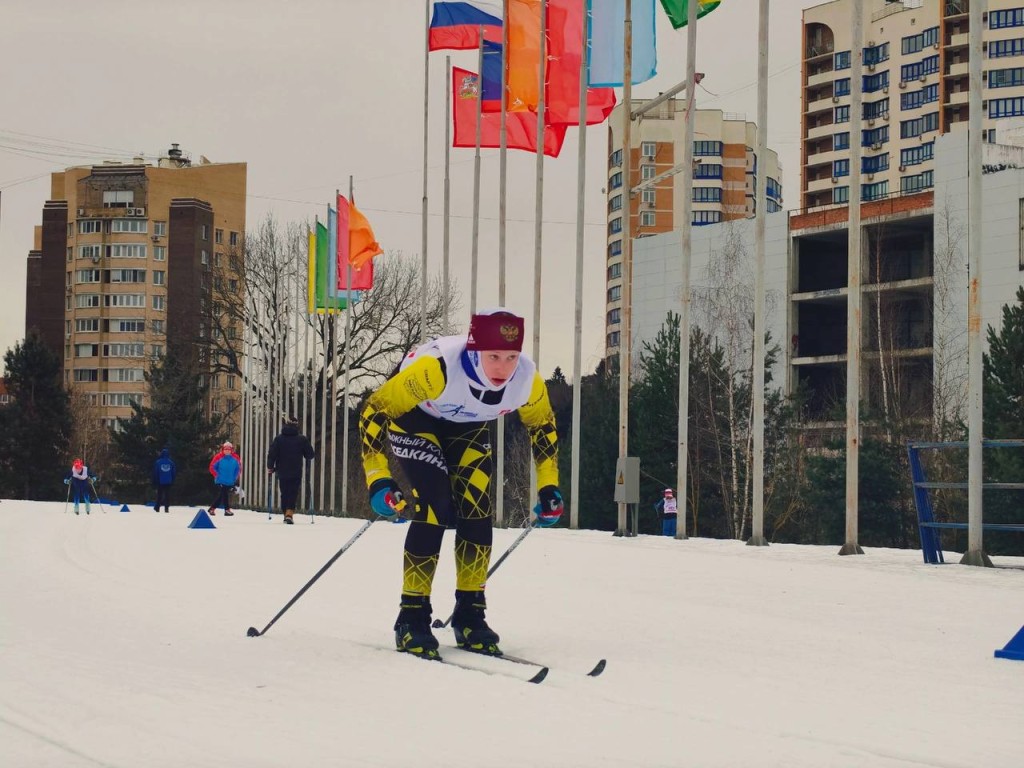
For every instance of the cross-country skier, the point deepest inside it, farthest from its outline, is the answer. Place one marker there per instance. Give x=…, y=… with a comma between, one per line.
x=435, y=414
x=285, y=457
x=668, y=510
x=164, y=471
x=226, y=469
x=80, y=480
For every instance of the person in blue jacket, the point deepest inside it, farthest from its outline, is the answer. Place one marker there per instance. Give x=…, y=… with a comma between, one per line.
x=225, y=469
x=164, y=471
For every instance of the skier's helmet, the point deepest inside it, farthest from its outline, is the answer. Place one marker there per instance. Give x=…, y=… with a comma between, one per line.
x=668, y=492
x=228, y=446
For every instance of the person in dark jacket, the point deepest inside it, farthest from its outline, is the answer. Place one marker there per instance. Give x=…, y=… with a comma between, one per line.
x=164, y=471
x=81, y=481
x=285, y=457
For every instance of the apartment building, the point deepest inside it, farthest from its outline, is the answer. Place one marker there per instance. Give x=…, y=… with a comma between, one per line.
x=130, y=259
x=724, y=182
x=914, y=88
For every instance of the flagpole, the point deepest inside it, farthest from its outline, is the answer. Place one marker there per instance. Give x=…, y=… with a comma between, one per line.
x=423, y=212
x=539, y=212
x=324, y=326
x=625, y=332
x=757, y=538
x=280, y=347
x=475, y=249
x=247, y=442
x=348, y=357
x=446, y=225
x=690, y=117
x=307, y=425
x=334, y=411
x=499, y=443
x=577, y=355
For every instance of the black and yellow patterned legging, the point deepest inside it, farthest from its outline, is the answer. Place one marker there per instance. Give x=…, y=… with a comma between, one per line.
x=449, y=465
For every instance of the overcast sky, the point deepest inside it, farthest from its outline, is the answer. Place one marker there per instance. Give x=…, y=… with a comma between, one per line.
x=308, y=93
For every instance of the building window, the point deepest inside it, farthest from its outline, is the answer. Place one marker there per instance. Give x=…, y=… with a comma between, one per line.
x=118, y=198
x=204, y=258
x=159, y=253
x=842, y=60
x=86, y=374
x=158, y=350
x=126, y=251
x=204, y=232
x=707, y=149
x=616, y=160
x=916, y=182
x=218, y=236
x=233, y=238
x=159, y=277
x=646, y=218
x=872, y=83
x=217, y=258
x=648, y=195
x=875, y=136
x=87, y=300
x=919, y=98
x=124, y=350
x=707, y=171
x=231, y=381
x=160, y=303
x=997, y=49
x=615, y=203
x=87, y=350
x=615, y=293
x=840, y=195
x=615, y=271
x=919, y=69
x=841, y=87
x=126, y=326
x=874, y=164
x=157, y=327
x=700, y=218
x=613, y=339
x=1014, y=17
x=87, y=275
x=90, y=252
x=124, y=300
x=615, y=225
x=1005, y=107
x=707, y=195
x=67, y=302
x=917, y=43
x=648, y=148
x=233, y=285
x=877, y=54
x=923, y=124
x=874, y=191
x=917, y=155
x=140, y=226
x=842, y=114
x=87, y=325
x=615, y=181
x=615, y=316
x=89, y=226
x=614, y=248
x=647, y=171
x=875, y=109
x=840, y=141
x=125, y=275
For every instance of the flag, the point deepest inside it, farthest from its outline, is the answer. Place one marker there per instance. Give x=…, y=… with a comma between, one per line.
x=362, y=277
x=362, y=246
x=325, y=302
x=678, y=11
x=520, y=127
x=605, y=54
x=457, y=25
x=562, y=79
x=310, y=271
x=562, y=92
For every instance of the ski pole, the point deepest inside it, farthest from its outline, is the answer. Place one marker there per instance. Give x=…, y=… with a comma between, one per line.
x=438, y=624
x=309, y=490
x=66, y=500
x=270, y=494
x=97, y=495
x=253, y=632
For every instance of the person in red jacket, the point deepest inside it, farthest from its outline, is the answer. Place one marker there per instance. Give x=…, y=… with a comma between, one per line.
x=228, y=447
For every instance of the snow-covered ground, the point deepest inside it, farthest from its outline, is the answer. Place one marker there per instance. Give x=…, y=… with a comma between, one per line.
x=124, y=645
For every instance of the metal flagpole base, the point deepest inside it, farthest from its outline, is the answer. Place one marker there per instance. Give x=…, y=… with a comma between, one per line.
x=758, y=541
x=851, y=548
x=976, y=557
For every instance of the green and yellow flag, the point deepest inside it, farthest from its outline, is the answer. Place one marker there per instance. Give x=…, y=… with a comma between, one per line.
x=319, y=253
x=678, y=10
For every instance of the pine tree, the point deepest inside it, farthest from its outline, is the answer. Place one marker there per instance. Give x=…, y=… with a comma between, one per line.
x=35, y=425
x=176, y=419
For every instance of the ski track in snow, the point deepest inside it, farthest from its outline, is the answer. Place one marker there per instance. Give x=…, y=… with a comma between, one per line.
x=123, y=645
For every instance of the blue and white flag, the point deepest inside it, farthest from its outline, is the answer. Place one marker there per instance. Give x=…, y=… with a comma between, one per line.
x=605, y=56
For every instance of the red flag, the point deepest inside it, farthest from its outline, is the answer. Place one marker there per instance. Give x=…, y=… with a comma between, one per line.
x=362, y=278
x=562, y=95
x=520, y=127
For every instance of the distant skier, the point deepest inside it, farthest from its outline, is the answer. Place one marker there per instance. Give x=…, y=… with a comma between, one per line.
x=81, y=484
x=285, y=458
x=435, y=414
x=226, y=469
x=164, y=471
x=668, y=510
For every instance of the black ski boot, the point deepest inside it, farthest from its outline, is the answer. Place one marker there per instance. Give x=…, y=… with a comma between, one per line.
x=412, y=628
x=471, y=630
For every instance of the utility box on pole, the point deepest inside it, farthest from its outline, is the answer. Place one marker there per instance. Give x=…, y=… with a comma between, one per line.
x=627, y=486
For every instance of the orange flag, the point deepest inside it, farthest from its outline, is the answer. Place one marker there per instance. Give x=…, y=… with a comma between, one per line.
x=362, y=245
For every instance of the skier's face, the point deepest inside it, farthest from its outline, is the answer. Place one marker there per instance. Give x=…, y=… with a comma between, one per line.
x=499, y=365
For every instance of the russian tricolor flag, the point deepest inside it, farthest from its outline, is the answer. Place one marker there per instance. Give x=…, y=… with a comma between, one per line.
x=456, y=25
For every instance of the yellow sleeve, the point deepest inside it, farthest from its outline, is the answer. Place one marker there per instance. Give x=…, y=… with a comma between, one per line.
x=539, y=420
x=422, y=380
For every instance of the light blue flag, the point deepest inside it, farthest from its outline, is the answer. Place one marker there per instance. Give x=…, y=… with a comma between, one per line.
x=604, y=42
